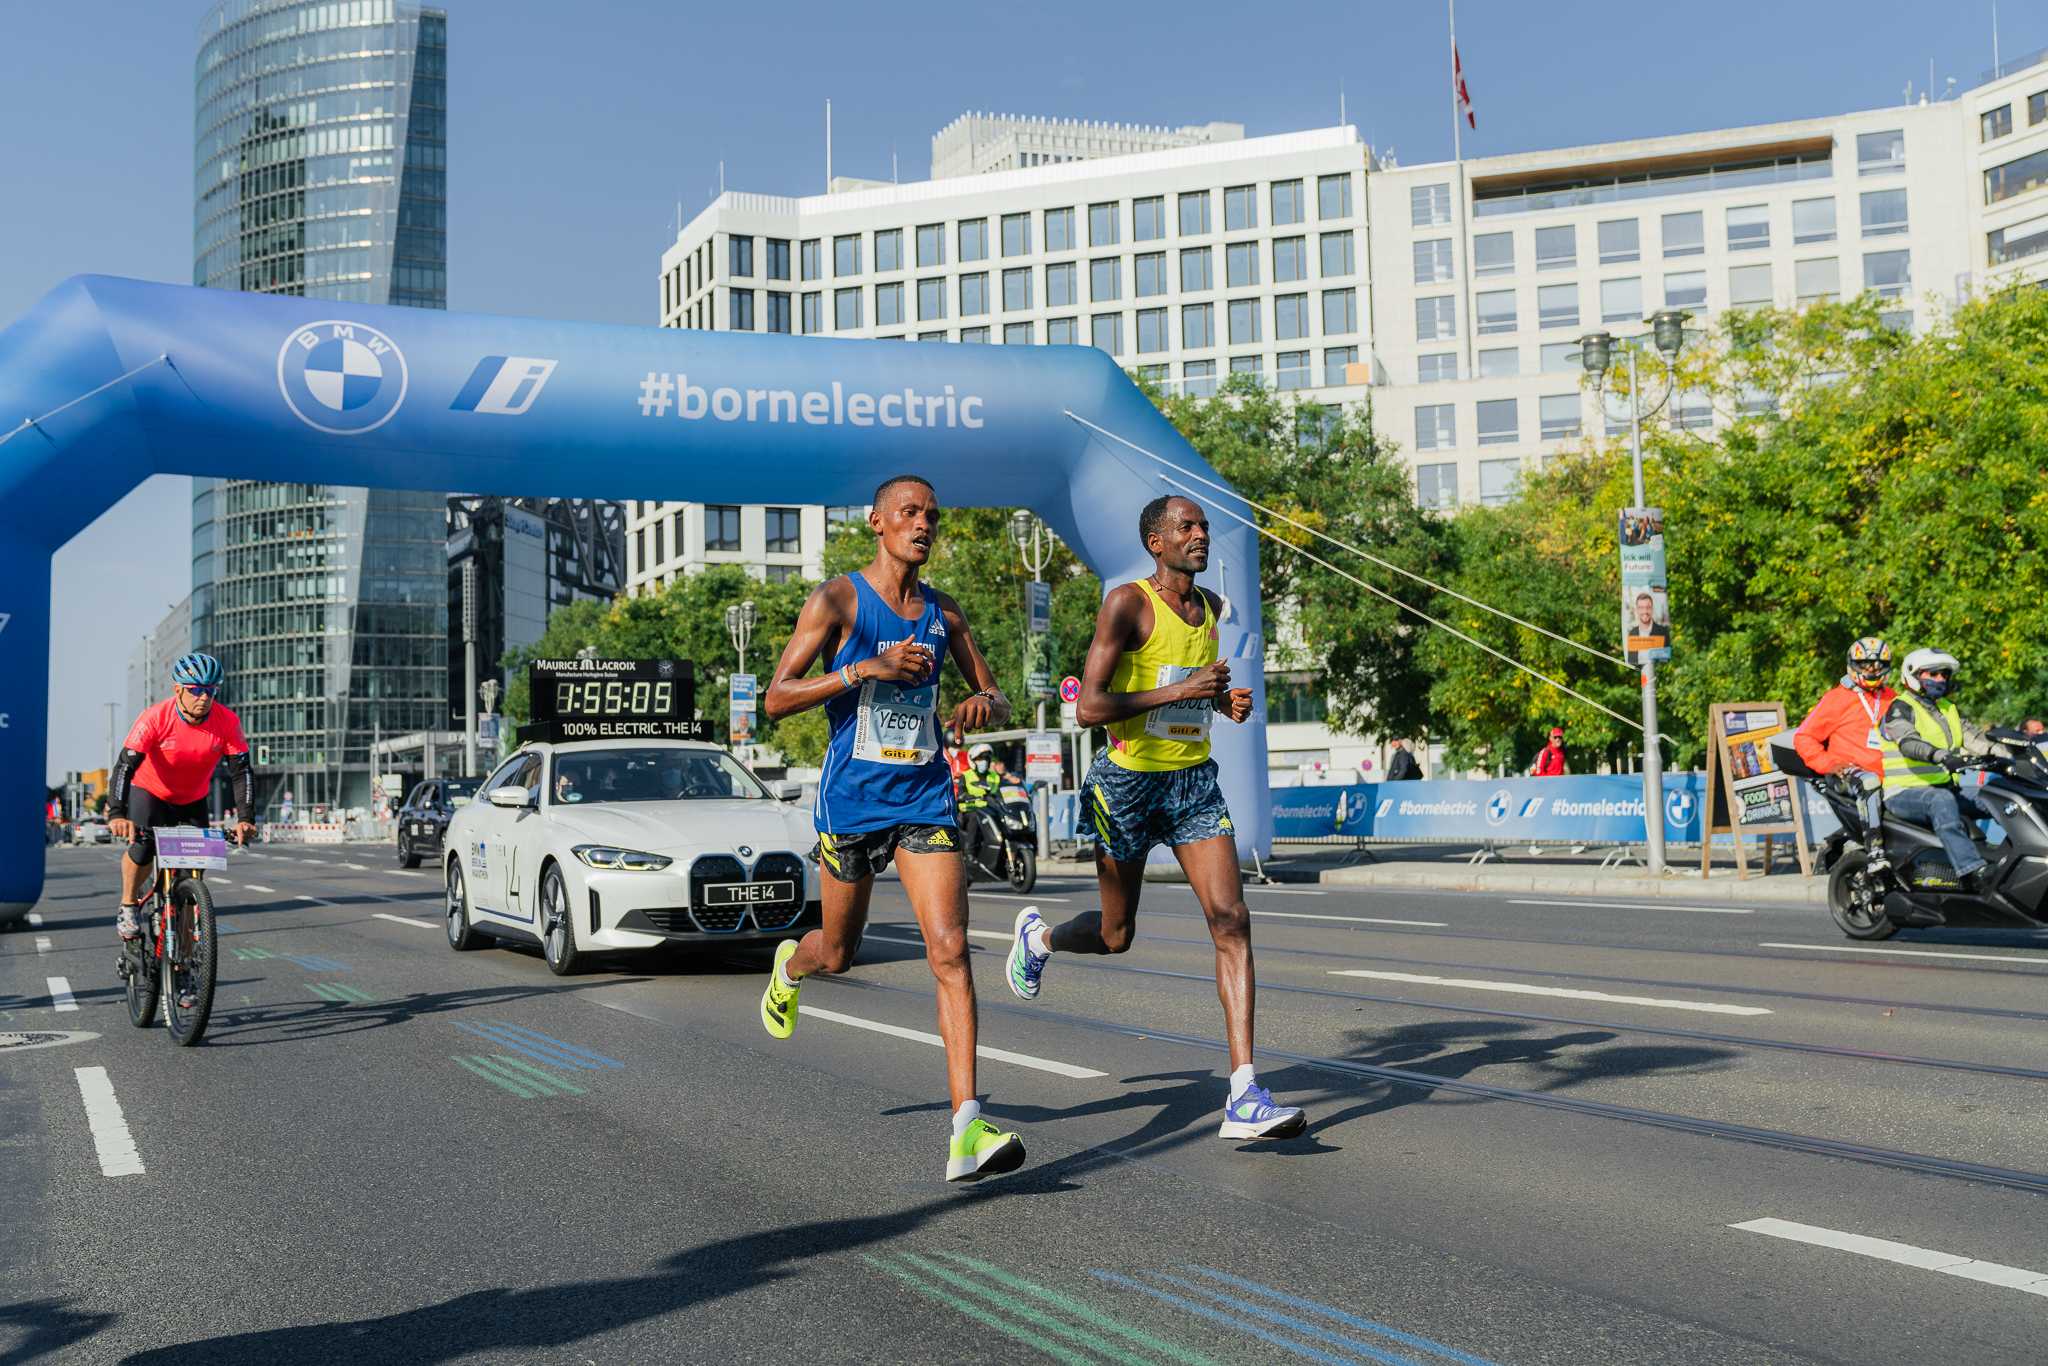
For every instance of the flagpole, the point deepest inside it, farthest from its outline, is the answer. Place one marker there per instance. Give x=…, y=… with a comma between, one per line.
x=1457, y=140
x=1464, y=260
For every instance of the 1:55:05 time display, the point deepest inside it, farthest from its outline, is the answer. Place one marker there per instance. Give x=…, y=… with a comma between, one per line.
x=613, y=697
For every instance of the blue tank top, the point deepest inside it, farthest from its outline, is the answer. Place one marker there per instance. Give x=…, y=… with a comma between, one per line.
x=886, y=763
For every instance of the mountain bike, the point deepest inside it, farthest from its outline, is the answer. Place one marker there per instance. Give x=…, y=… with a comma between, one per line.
x=172, y=963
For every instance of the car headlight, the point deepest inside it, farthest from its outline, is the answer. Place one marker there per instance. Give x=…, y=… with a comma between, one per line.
x=620, y=860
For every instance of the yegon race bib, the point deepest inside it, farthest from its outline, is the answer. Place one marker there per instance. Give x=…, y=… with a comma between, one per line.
x=897, y=724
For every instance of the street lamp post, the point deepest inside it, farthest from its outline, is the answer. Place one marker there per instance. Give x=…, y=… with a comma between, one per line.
x=1034, y=543
x=739, y=625
x=1596, y=353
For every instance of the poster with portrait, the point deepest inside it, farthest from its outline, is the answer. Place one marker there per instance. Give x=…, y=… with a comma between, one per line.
x=1645, y=596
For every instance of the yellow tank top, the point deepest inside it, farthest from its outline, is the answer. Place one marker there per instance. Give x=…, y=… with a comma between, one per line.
x=1176, y=736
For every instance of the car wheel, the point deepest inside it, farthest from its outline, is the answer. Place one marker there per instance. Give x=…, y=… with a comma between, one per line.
x=461, y=937
x=558, y=925
x=406, y=857
x=1856, y=901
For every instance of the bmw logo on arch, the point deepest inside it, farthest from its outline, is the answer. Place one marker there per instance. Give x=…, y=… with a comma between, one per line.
x=340, y=377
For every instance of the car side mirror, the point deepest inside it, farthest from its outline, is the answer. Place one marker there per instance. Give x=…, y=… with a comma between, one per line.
x=512, y=795
x=786, y=792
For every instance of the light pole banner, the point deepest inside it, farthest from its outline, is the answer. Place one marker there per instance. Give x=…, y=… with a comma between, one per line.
x=1645, y=593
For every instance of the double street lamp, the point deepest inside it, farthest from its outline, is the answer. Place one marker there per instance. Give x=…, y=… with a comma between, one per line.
x=1596, y=352
x=739, y=625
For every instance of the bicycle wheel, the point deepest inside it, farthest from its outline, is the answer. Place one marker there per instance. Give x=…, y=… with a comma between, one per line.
x=190, y=955
x=139, y=972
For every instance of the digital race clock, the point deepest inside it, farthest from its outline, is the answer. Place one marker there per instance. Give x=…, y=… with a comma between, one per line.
x=593, y=699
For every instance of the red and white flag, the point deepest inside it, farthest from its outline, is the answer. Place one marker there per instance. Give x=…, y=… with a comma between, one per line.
x=1458, y=87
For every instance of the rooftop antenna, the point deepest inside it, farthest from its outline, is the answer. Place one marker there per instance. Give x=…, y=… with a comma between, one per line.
x=721, y=175
x=1341, y=120
x=892, y=164
x=1997, y=67
x=828, y=146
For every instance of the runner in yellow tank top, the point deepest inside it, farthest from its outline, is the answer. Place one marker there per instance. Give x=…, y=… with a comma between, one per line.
x=1153, y=677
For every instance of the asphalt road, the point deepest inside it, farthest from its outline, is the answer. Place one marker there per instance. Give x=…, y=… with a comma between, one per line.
x=1537, y=1133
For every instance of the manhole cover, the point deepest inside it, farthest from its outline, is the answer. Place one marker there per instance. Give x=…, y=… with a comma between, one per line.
x=42, y=1038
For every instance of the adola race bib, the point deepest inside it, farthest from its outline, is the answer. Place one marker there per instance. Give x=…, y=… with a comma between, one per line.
x=1186, y=722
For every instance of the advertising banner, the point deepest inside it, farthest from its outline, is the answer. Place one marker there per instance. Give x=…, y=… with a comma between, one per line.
x=1645, y=597
x=1596, y=809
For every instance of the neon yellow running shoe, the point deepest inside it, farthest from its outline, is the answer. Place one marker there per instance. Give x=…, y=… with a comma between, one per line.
x=983, y=1151
x=778, y=1002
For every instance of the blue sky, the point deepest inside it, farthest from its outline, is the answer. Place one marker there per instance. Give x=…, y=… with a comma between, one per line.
x=575, y=128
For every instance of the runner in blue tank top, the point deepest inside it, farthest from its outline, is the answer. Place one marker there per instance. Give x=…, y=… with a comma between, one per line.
x=887, y=792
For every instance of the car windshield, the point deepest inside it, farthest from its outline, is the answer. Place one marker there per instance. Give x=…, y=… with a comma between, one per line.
x=651, y=775
x=460, y=791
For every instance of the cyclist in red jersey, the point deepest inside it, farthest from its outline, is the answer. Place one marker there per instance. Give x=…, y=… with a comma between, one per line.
x=166, y=769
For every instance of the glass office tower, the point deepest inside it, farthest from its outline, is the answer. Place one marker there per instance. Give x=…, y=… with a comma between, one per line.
x=320, y=156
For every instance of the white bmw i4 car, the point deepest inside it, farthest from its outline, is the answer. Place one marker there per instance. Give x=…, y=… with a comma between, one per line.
x=597, y=846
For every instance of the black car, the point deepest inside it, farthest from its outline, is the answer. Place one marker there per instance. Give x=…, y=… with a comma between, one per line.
x=423, y=820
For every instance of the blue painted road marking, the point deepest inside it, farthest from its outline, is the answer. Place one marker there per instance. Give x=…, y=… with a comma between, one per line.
x=1352, y=1320
x=538, y=1046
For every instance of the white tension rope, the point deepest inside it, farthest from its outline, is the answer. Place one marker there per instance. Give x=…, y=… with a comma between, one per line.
x=1345, y=545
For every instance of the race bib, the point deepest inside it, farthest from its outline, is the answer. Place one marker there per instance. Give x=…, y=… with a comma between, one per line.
x=897, y=724
x=1184, y=722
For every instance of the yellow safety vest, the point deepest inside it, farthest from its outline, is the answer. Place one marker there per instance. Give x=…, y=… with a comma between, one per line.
x=976, y=789
x=1171, y=737
x=1941, y=726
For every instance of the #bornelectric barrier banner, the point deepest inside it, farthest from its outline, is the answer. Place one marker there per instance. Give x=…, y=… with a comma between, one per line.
x=1596, y=809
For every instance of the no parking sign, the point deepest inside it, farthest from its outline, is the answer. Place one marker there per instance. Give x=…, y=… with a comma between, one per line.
x=1070, y=689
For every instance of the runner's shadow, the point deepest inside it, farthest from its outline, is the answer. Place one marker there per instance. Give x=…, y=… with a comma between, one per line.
x=48, y=1327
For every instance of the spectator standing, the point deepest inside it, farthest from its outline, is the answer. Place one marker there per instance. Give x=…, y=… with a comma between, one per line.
x=1550, y=763
x=1402, y=767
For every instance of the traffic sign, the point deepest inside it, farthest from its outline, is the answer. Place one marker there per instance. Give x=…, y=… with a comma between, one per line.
x=1039, y=598
x=1070, y=689
x=1042, y=757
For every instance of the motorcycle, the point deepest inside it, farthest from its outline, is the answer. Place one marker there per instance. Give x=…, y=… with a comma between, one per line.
x=1008, y=848
x=1920, y=888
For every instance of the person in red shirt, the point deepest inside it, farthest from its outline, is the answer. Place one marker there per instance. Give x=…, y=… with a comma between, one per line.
x=1550, y=763
x=1840, y=734
x=166, y=770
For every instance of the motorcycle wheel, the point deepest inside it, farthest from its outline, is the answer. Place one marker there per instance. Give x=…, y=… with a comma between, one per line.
x=1023, y=868
x=1856, y=901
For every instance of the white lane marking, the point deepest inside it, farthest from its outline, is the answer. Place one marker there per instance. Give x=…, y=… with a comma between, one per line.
x=1012, y=896
x=314, y=899
x=42, y=944
x=403, y=920
x=35, y=918
x=1915, y=953
x=1285, y=891
x=912, y=936
x=1063, y=1069
x=1884, y=1249
x=257, y=887
x=405, y=872
x=1634, y=906
x=60, y=994
x=1572, y=993
x=110, y=1135
x=219, y=881
x=1355, y=919
x=359, y=867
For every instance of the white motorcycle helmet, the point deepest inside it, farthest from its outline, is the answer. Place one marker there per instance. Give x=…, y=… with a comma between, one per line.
x=980, y=752
x=1926, y=661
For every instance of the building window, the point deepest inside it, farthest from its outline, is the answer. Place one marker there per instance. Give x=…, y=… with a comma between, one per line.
x=1102, y=225
x=1019, y=334
x=1497, y=423
x=1493, y=253
x=931, y=299
x=2037, y=108
x=814, y=313
x=978, y=335
x=845, y=309
x=1290, y=317
x=1557, y=306
x=1197, y=326
x=937, y=336
x=1059, y=229
x=1435, y=367
x=1333, y=196
x=1105, y=279
x=974, y=240
x=931, y=245
x=1198, y=377
x=1061, y=285
x=778, y=259
x=1621, y=301
x=1436, y=486
x=1290, y=259
x=1159, y=376
x=741, y=254
x=1429, y=206
x=1436, y=426
x=1500, y=362
x=1691, y=410
x=782, y=573
x=813, y=259
x=1337, y=255
x=1899, y=320
x=1061, y=332
x=1558, y=358
x=974, y=294
x=785, y=531
x=889, y=249
x=1558, y=416
x=845, y=514
x=2016, y=177
x=1196, y=270
x=1749, y=228
x=1340, y=312
x=1749, y=286
x=1994, y=124
x=1877, y=153
x=1244, y=321
x=1495, y=311
x=1433, y=260
x=1685, y=234
x=1813, y=220
x=1249, y=365
x=889, y=304
x=1620, y=240
x=1288, y=208
x=1240, y=208
x=1016, y=234
x=740, y=311
x=1884, y=212
x=1152, y=331
x=1888, y=274
x=1817, y=282
x=1291, y=370
x=2018, y=241
x=1150, y=269
x=1337, y=363
x=778, y=311
x=1017, y=288
x=1148, y=219
x=846, y=255
x=1194, y=213
x=1497, y=480
x=1557, y=248
x=1436, y=318
x=1241, y=264
x=1685, y=289
x=721, y=527
x=1106, y=332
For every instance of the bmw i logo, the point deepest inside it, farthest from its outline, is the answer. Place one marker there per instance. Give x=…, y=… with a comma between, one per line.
x=1497, y=806
x=340, y=377
x=746, y=851
x=1678, y=807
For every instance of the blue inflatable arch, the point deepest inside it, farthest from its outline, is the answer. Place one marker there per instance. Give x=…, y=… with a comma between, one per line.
x=108, y=381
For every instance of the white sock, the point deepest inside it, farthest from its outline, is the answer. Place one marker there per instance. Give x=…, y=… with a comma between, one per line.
x=964, y=1116
x=784, y=978
x=1240, y=1079
x=1038, y=939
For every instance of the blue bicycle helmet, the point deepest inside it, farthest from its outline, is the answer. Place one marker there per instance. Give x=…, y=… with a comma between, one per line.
x=197, y=671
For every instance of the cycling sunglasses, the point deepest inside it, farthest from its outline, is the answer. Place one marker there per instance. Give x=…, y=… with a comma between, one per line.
x=201, y=689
